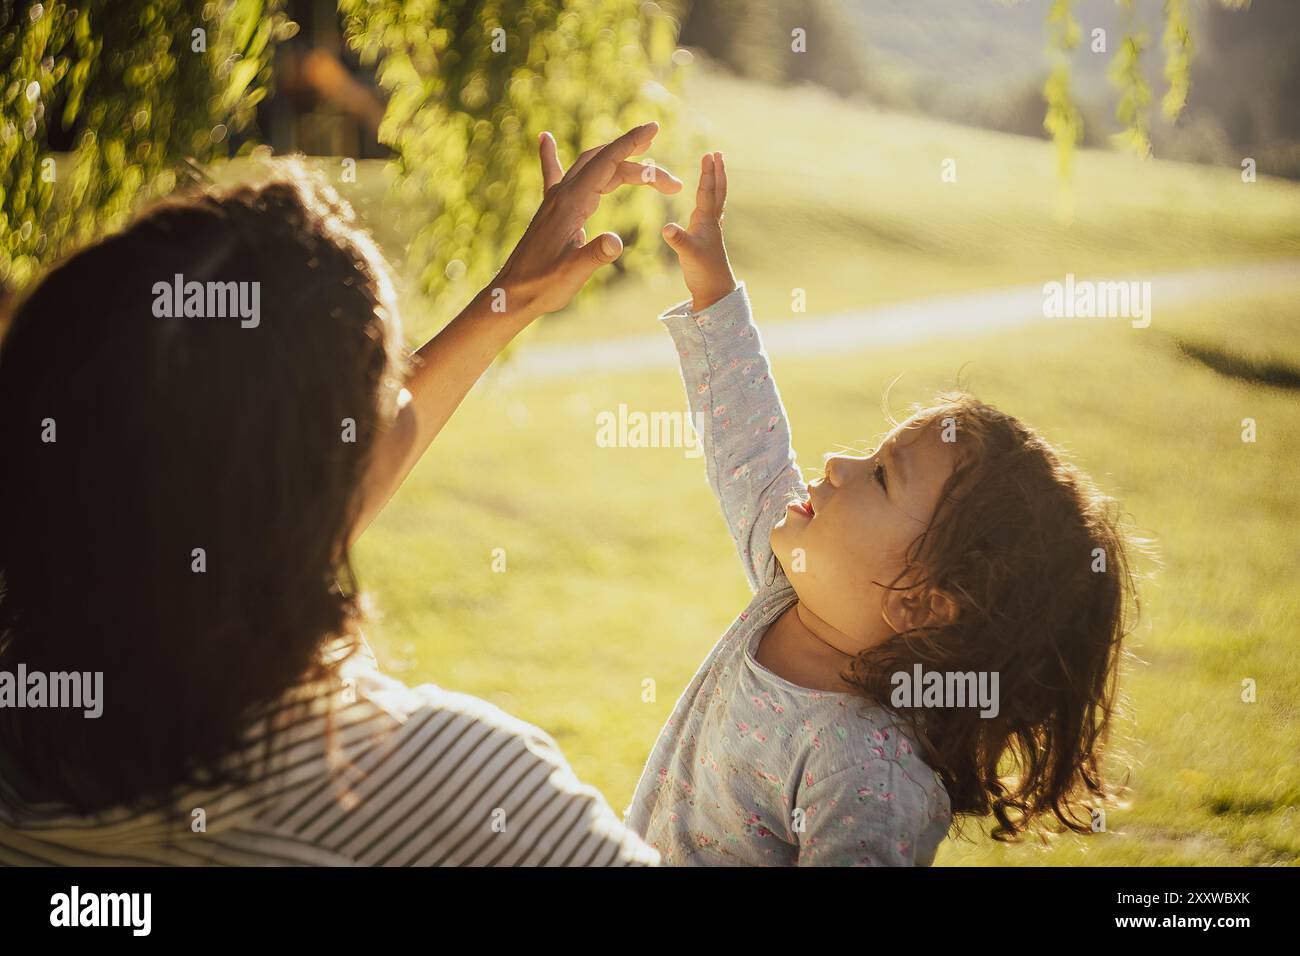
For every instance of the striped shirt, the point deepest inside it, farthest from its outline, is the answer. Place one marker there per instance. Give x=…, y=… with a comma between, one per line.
x=418, y=776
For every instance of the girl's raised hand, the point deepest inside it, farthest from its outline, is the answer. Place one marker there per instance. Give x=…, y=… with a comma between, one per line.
x=700, y=249
x=554, y=260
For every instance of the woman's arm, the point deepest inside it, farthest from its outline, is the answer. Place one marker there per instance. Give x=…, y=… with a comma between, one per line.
x=550, y=264
x=441, y=374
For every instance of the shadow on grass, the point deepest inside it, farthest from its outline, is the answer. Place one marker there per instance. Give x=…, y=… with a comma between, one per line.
x=1258, y=371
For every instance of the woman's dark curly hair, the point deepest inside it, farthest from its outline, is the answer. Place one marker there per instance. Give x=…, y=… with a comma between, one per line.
x=175, y=434
x=1036, y=563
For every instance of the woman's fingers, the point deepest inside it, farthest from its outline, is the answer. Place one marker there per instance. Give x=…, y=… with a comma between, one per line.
x=600, y=168
x=613, y=169
x=556, y=240
x=605, y=248
x=643, y=174
x=583, y=159
x=552, y=172
x=586, y=259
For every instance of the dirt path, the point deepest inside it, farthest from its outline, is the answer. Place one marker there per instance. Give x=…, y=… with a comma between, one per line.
x=951, y=316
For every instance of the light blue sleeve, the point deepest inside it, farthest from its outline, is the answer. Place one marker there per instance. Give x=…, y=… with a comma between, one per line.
x=737, y=412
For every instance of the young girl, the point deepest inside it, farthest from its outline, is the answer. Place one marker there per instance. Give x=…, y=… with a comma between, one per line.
x=962, y=553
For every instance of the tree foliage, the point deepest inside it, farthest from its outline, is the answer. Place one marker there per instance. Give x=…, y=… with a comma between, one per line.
x=141, y=90
x=1134, y=107
x=1062, y=121
x=473, y=82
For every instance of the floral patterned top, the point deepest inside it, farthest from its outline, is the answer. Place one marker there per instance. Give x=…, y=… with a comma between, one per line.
x=751, y=769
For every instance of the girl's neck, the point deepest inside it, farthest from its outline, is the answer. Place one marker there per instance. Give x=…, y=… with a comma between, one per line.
x=795, y=647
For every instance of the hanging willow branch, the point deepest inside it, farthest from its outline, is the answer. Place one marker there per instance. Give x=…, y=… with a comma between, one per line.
x=1063, y=121
x=140, y=90
x=1177, y=44
x=473, y=82
x=1133, y=110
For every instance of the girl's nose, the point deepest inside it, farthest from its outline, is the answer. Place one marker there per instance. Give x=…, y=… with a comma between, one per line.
x=838, y=468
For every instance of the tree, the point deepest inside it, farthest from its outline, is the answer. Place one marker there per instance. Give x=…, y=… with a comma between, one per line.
x=145, y=84
x=1134, y=109
x=473, y=82
x=149, y=85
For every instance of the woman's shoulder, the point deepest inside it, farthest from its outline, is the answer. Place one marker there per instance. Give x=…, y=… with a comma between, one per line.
x=362, y=719
x=432, y=775
x=405, y=704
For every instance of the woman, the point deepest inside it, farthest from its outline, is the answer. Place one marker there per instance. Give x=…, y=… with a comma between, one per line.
x=199, y=415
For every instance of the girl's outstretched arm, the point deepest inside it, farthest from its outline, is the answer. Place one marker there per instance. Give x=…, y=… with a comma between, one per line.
x=550, y=264
x=734, y=402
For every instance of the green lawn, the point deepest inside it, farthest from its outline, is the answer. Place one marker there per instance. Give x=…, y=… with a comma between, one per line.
x=618, y=566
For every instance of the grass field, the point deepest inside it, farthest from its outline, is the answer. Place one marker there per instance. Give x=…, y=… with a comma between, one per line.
x=847, y=204
x=619, y=568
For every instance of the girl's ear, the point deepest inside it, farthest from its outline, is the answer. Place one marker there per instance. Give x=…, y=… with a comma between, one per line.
x=918, y=607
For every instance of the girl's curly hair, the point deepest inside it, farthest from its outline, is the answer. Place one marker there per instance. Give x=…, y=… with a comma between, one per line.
x=1035, y=559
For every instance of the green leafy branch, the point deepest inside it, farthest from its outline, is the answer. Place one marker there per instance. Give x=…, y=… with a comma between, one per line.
x=1133, y=110
x=146, y=85
x=473, y=82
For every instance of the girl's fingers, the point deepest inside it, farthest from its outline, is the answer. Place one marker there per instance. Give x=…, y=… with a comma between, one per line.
x=552, y=171
x=704, y=195
x=643, y=174
x=676, y=237
x=720, y=172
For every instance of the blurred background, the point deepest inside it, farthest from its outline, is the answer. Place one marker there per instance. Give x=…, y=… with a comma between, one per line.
x=904, y=177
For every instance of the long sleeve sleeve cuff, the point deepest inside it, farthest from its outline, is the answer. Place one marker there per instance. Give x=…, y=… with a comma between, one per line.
x=735, y=303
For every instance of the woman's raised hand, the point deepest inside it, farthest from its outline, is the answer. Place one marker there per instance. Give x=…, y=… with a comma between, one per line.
x=546, y=269
x=554, y=260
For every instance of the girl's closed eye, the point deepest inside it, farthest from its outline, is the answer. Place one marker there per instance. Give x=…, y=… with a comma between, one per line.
x=881, y=477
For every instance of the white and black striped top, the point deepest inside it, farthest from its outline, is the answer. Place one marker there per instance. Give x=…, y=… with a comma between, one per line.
x=420, y=777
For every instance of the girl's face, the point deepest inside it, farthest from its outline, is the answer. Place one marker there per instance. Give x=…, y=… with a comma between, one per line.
x=852, y=535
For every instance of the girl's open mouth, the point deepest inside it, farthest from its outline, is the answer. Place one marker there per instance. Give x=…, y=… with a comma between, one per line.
x=803, y=507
